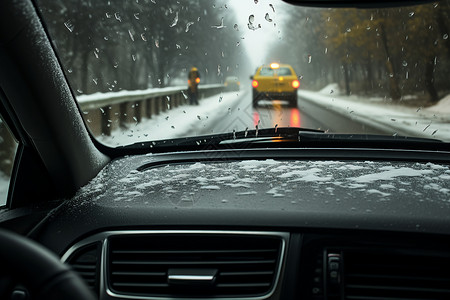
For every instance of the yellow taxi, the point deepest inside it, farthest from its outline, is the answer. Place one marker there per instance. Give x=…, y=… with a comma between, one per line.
x=275, y=82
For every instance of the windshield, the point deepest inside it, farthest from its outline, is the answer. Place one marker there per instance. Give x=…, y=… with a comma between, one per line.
x=146, y=70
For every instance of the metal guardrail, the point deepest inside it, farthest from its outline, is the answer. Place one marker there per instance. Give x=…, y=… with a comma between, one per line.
x=117, y=110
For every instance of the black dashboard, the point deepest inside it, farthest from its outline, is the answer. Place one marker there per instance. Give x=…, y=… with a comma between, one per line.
x=187, y=225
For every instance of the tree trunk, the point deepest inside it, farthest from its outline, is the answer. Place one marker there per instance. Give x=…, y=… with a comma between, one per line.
x=346, y=78
x=394, y=90
x=429, y=80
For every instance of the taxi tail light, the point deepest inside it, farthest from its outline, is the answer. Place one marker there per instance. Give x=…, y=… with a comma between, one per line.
x=295, y=84
x=255, y=83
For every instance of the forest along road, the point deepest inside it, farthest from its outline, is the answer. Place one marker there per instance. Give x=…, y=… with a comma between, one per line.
x=277, y=113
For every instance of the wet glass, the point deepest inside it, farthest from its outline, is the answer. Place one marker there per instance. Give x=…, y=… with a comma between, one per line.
x=382, y=71
x=8, y=148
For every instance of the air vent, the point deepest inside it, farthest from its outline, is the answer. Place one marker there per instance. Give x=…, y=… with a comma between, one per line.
x=381, y=273
x=85, y=262
x=393, y=275
x=193, y=265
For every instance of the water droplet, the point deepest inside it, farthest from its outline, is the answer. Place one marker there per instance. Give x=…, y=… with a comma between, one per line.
x=175, y=20
x=445, y=36
x=198, y=117
x=267, y=17
x=69, y=25
x=136, y=16
x=173, y=127
x=256, y=1
x=224, y=201
x=70, y=70
x=348, y=30
x=220, y=98
x=229, y=110
x=96, y=54
x=220, y=26
x=234, y=134
x=135, y=119
x=411, y=14
x=131, y=35
x=133, y=57
x=276, y=127
x=189, y=24
x=102, y=110
x=236, y=27
x=117, y=16
x=167, y=118
x=105, y=38
x=157, y=43
x=95, y=80
x=218, y=70
x=116, y=64
x=309, y=59
x=237, y=44
x=273, y=8
x=153, y=1
x=108, y=15
x=434, y=132
x=246, y=132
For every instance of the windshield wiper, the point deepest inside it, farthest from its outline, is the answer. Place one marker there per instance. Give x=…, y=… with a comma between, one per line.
x=287, y=137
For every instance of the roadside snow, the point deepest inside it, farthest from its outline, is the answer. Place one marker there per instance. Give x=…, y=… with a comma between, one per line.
x=178, y=122
x=431, y=122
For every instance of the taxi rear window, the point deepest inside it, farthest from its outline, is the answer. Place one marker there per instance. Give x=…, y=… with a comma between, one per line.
x=266, y=72
x=284, y=71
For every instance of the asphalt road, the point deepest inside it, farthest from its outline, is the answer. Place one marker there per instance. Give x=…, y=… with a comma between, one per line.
x=278, y=113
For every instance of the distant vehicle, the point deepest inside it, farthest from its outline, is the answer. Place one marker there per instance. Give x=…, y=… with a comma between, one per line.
x=275, y=82
x=232, y=83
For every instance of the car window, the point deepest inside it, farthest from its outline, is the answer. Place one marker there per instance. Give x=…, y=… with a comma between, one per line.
x=8, y=148
x=376, y=70
x=284, y=72
x=266, y=71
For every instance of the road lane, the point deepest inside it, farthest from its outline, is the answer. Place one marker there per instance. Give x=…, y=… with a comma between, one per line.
x=269, y=114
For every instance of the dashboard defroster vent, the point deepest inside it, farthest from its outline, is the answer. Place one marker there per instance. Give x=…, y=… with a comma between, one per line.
x=86, y=263
x=396, y=275
x=193, y=265
x=381, y=273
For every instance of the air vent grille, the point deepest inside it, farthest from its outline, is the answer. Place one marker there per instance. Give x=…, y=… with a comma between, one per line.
x=244, y=265
x=395, y=275
x=85, y=262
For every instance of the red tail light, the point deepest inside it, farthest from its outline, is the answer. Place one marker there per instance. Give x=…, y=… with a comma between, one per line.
x=295, y=84
x=255, y=83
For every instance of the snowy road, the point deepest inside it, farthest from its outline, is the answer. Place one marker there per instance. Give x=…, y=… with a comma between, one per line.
x=277, y=113
x=317, y=110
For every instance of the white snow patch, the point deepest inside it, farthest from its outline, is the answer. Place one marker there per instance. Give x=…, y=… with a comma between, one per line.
x=390, y=175
x=373, y=191
x=210, y=187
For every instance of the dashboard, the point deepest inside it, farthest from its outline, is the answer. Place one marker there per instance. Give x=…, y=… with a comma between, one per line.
x=193, y=225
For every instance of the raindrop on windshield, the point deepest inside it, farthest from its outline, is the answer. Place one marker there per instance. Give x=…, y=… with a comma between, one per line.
x=184, y=95
x=267, y=17
x=157, y=43
x=136, y=16
x=131, y=35
x=188, y=25
x=143, y=37
x=237, y=44
x=276, y=127
x=220, y=26
x=273, y=8
x=70, y=70
x=117, y=16
x=105, y=38
x=309, y=58
x=108, y=16
x=95, y=80
x=133, y=57
x=96, y=54
x=411, y=14
x=218, y=70
x=69, y=25
x=178, y=46
x=234, y=134
x=198, y=117
x=445, y=36
x=220, y=98
x=229, y=110
x=256, y=1
x=246, y=132
x=175, y=20
x=153, y=1
x=236, y=27
x=404, y=63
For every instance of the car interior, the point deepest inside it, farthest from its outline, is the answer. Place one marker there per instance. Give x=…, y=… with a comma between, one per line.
x=273, y=213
